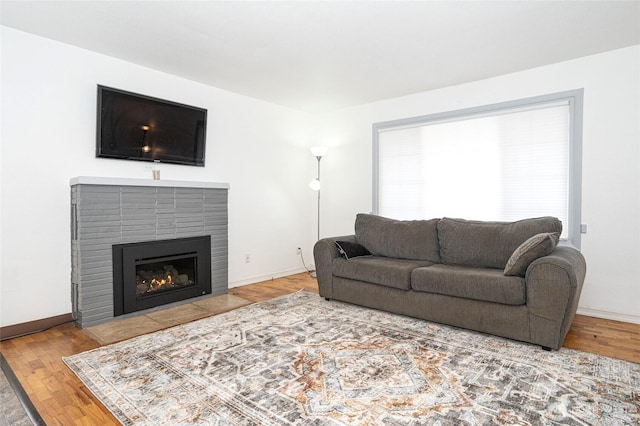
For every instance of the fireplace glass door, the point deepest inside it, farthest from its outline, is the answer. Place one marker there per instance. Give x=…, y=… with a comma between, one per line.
x=165, y=274
x=155, y=273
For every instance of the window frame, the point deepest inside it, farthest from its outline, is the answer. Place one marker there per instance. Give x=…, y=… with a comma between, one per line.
x=574, y=98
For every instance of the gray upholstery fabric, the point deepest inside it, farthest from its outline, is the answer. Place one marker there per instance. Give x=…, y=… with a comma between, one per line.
x=553, y=284
x=501, y=320
x=487, y=244
x=401, y=239
x=385, y=271
x=537, y=246
x=486, y=284
x=324, y=251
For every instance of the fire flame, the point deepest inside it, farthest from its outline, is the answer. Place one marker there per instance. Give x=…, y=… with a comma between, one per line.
x=157, y=284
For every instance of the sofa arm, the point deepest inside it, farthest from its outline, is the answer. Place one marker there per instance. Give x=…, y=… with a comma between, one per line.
x=324, y=251
x=554, y=284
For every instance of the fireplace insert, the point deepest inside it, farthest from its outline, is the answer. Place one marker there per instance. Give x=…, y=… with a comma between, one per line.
x=155, y=273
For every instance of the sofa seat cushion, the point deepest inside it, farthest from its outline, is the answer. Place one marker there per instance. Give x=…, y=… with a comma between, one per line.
x=488, y=244
x=384, y=271
x=400, y=239
x=490, y=285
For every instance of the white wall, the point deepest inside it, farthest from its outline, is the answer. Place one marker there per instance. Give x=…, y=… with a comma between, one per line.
x=48, y=136
x=611, y=162
x=47, y=131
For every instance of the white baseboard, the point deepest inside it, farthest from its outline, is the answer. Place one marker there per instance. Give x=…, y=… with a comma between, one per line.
x=268, y=277
x=634, y=319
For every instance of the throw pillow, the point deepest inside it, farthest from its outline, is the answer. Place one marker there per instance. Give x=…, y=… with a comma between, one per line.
x=537, y=246
x=348, y=249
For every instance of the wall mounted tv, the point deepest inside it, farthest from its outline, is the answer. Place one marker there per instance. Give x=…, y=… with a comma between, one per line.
x=138, y=127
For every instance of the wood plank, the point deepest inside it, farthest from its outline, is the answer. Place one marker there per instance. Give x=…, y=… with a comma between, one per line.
x=61, y=399
x=36, y=360
x=605, y=337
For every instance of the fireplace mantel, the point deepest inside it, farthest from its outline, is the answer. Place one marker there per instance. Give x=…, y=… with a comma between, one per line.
x=113, y=181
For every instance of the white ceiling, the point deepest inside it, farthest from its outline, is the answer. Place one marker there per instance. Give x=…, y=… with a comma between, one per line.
x=321, y=55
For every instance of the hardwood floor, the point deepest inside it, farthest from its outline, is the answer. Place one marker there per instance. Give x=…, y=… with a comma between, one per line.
x=605, y=337
x=61, y=399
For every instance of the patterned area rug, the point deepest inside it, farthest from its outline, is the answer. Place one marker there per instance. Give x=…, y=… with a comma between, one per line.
x=300, y=360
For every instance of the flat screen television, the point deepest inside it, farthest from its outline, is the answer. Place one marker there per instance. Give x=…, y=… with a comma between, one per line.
x=138, y=127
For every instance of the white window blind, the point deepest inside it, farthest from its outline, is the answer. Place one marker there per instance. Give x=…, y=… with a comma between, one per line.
x=505, y=165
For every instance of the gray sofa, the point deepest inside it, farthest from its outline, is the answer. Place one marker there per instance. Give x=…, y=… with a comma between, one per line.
x=510, y=279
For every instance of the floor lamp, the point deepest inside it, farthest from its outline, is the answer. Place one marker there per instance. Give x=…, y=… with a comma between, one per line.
x=318, y=152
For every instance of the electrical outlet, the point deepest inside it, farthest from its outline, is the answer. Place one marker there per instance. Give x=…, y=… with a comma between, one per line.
x=247, y=258
x=298, y=251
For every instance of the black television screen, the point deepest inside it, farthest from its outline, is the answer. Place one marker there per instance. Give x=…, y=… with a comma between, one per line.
x=138, y=127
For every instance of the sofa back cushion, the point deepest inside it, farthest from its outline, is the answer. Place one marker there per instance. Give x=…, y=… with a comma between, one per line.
x=401, y=239
x=488, y=244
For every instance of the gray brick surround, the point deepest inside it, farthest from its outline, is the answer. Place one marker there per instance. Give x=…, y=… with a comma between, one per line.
x=107, y=211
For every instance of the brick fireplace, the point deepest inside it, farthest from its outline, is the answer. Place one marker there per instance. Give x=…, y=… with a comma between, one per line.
x=109, y=214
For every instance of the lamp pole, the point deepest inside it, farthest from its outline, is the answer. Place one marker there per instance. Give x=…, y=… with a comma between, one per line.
x=319, y=188
x=318, y=152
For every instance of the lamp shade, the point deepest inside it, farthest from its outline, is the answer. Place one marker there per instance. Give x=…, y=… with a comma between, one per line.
x=315, y=184
x=318, y=151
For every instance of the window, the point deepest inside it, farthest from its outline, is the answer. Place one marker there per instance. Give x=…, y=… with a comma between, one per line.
x=502, y=162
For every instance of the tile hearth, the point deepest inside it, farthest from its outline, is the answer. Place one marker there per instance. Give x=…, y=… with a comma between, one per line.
x=149, y=322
